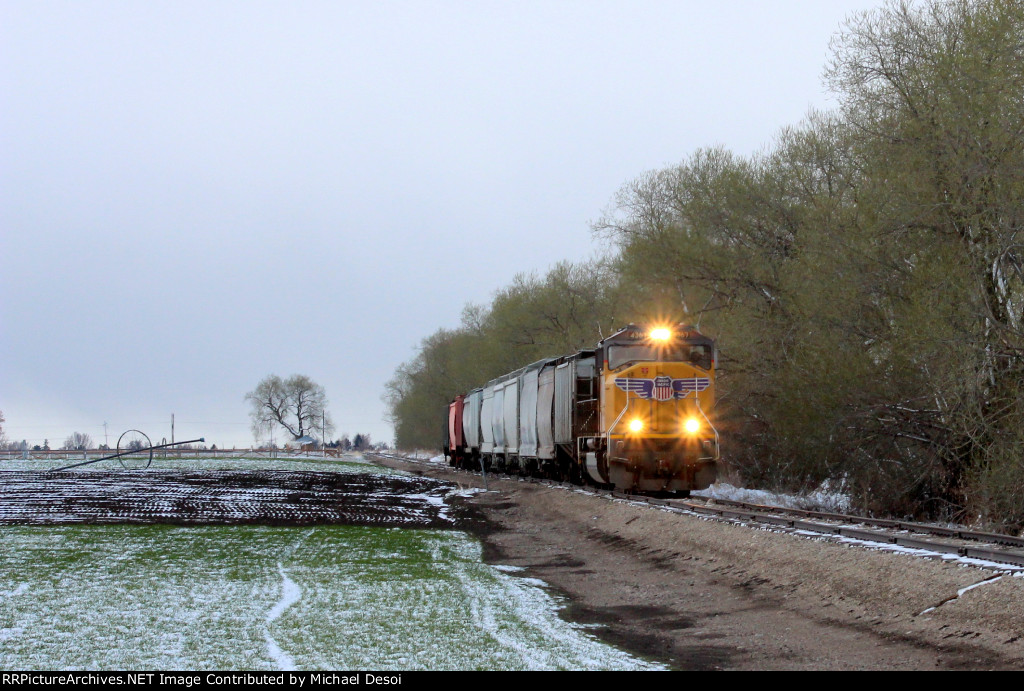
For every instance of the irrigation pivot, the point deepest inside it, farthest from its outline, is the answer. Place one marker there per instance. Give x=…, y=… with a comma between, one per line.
x=137, y=450
x=134, y=450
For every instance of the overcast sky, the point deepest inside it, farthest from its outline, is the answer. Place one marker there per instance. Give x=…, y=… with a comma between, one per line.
x=194, y=195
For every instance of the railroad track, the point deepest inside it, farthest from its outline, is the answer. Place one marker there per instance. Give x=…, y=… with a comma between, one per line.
x=1005, y=550
x=959, y=542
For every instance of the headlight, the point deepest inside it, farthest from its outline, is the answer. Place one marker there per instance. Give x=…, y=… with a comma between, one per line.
x=636, y=425
x=660, y=334
x=692, y=425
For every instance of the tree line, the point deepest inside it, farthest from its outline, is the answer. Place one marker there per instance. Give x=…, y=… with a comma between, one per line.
x=77, y=441
x=535, y=317
x=863, y=277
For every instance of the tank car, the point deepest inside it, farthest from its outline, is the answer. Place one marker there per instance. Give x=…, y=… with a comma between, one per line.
x=633, y=414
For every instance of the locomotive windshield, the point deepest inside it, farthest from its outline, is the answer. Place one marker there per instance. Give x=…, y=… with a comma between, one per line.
x=699, y=355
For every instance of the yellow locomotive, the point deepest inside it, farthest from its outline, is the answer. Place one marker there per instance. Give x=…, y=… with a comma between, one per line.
x=633, y=414
x=656, y=391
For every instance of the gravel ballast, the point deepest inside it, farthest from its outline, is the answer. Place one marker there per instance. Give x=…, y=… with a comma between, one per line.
x=705, y=594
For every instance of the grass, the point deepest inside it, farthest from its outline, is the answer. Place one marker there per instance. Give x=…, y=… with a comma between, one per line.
x=261, y=597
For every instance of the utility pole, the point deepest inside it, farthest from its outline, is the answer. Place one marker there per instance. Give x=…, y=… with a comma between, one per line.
x=172, y=428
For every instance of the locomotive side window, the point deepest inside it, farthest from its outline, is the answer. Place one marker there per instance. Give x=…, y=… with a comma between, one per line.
x=701, y=356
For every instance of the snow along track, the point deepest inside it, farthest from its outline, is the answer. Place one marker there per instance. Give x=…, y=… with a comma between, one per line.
x=848, y=529
x=980, y=549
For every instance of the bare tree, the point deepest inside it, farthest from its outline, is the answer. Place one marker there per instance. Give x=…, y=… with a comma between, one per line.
x=297, y=404
x=78, y=441
x=3, y=437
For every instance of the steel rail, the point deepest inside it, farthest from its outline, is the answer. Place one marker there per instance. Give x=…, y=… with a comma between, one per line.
x=748, y=512
x=937, y=530
x=769, y=515
x=1014, y=558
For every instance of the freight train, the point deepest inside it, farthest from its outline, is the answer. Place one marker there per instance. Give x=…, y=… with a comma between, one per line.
x=631, y=414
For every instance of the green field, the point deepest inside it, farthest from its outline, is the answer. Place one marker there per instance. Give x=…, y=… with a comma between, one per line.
x=264, y=598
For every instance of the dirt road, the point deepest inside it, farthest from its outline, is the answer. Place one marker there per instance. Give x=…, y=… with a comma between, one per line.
x=702, y=594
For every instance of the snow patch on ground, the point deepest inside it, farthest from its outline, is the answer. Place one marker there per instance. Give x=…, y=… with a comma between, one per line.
x=437, y=501
x=916, y=552
x=822, y=499
x=290, y=594
x=1007, y=569
x=418, y=455
x=284, y=662
x=960, y=593
x=466, y=492
x=253, y=597
x=21, y=588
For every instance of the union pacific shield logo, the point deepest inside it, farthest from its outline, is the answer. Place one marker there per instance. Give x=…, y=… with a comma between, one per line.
x=663, y=388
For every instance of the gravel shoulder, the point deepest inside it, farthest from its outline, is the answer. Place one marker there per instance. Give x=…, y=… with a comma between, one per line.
x=704, y=594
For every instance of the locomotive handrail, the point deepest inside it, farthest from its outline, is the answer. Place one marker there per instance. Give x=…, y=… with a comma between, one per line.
x=616, y=423
x=713, y=428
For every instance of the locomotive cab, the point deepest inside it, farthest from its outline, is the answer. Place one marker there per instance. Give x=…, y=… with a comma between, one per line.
x=656, y=391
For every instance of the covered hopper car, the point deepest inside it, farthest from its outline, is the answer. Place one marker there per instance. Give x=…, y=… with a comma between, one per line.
x=633, y=414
